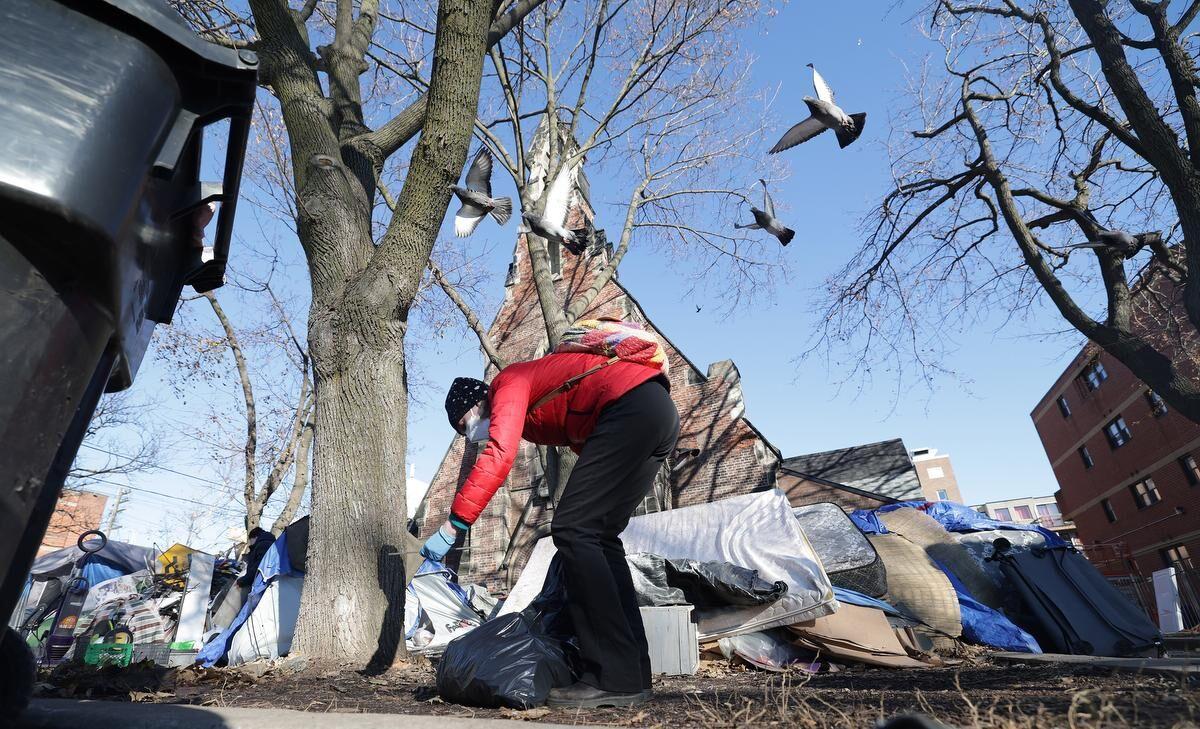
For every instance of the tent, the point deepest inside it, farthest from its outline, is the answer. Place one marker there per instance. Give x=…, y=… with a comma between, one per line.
x=49, y=574
x=267, y=632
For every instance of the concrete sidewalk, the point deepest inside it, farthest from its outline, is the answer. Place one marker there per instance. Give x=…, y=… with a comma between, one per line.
x=71, y=714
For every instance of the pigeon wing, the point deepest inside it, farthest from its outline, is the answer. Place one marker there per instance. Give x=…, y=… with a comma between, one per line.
x=466, y=220
x=768, y=204
x=479, y=176
x=559, y=199
x=801, y=132
x=824, y=93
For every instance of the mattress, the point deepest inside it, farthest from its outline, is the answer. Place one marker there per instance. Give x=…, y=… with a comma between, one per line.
x=849, y=559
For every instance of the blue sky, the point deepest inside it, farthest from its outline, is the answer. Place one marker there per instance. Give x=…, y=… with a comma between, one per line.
x=981, y=419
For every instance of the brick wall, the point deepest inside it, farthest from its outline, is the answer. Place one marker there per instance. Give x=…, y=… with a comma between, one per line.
x=719, y=452
x=75, y=513
x=1158, y=441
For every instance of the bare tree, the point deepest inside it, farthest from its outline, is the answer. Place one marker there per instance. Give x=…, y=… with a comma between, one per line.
x=339, y=142
x=655, y=94
x=295, y=442
x=1042, y=129
x=119, y=441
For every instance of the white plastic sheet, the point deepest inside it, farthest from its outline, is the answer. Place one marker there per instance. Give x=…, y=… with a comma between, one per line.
x=269, y=631
x=757, y=531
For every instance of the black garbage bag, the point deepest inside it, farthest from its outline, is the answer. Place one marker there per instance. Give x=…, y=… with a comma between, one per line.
x=508, y=661
x=514, y=660
x=661, y=582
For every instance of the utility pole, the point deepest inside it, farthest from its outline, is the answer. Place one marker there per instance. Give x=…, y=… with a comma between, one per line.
x=112, y=516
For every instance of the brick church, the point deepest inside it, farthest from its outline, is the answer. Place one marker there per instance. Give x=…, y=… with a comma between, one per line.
x=719, y=452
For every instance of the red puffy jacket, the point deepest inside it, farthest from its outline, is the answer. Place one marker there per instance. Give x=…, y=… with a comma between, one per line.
x=567, y=420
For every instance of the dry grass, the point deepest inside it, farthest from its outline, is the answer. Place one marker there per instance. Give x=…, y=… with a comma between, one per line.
x=792, y=703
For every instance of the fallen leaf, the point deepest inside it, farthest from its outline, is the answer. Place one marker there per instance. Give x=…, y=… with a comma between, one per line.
x=377, y=681
x=526, y=715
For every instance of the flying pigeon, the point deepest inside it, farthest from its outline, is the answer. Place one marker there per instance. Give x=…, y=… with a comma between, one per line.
x=1118, y=240
x=476, y=197
x=765, y=219
x=824, y=115
x=551, y=225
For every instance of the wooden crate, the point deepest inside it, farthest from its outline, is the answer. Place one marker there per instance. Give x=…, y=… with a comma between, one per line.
x=673, y=639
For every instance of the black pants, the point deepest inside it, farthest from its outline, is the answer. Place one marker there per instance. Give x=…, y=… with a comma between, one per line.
x=615, y=471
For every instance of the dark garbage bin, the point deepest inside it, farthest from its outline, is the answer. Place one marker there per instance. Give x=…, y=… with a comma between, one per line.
x=103, y=106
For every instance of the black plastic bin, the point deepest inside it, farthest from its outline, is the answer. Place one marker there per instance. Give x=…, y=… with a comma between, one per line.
x=103, y=104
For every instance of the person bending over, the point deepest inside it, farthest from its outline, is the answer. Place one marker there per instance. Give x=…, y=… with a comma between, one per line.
x=619, y=417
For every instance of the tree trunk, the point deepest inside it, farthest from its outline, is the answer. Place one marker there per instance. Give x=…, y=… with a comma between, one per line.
x=351, y=609
x=353, y=597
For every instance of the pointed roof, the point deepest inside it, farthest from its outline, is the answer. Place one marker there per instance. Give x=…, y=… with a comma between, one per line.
x=882, y=469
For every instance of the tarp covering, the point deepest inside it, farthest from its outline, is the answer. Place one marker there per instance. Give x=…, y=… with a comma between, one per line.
x=269, y=630
x=953, y=517
x=274, y=563
x=757, y=531
x=121, y=556
x=985, y=626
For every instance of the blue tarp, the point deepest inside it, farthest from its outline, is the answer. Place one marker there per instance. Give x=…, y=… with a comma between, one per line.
x=97, y=570
x=985, y=626
x=953, y=518
x=274, y=563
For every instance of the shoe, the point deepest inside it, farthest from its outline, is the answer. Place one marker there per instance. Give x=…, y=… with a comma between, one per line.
x=580, y=695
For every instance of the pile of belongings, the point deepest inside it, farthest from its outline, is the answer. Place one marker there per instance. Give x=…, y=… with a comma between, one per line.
x=256, y=620
x=811, y=588
x=120, y=604
x=755, y=579
x=1017, y=587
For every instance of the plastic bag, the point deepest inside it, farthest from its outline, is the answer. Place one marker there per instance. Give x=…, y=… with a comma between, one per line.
x=769, y=650
x=513, y=660
x=661, y=582
x=509, y=661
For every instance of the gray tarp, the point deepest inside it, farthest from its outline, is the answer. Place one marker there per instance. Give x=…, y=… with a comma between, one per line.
x=128, y=557
x=756, y=531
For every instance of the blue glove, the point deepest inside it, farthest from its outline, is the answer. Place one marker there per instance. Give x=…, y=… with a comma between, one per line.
x=439, y=543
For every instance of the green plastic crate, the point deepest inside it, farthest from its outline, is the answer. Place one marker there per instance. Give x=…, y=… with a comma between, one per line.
x=108, y=654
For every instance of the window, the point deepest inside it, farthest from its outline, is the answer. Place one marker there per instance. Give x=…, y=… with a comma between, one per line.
x=1157, y=407
x=1145, y=493
x=1177, y=556
x=943, y=495
x=1109, y=513
x=555, y=251
x=1191, y=471
x=1094, y=374
x=1049, y=515
x=1002, y=515
x=1063, y=407
x=1117, y=432
x=936, y=472
x=1024, y=513
x=1086, y=456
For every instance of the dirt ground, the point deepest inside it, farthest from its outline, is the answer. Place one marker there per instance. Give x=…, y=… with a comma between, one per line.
x=977, y=694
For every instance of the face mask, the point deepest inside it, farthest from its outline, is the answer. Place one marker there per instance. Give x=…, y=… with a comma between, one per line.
x=477, y=429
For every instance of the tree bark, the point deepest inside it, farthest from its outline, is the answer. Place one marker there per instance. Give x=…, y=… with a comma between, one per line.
x=353, y=602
